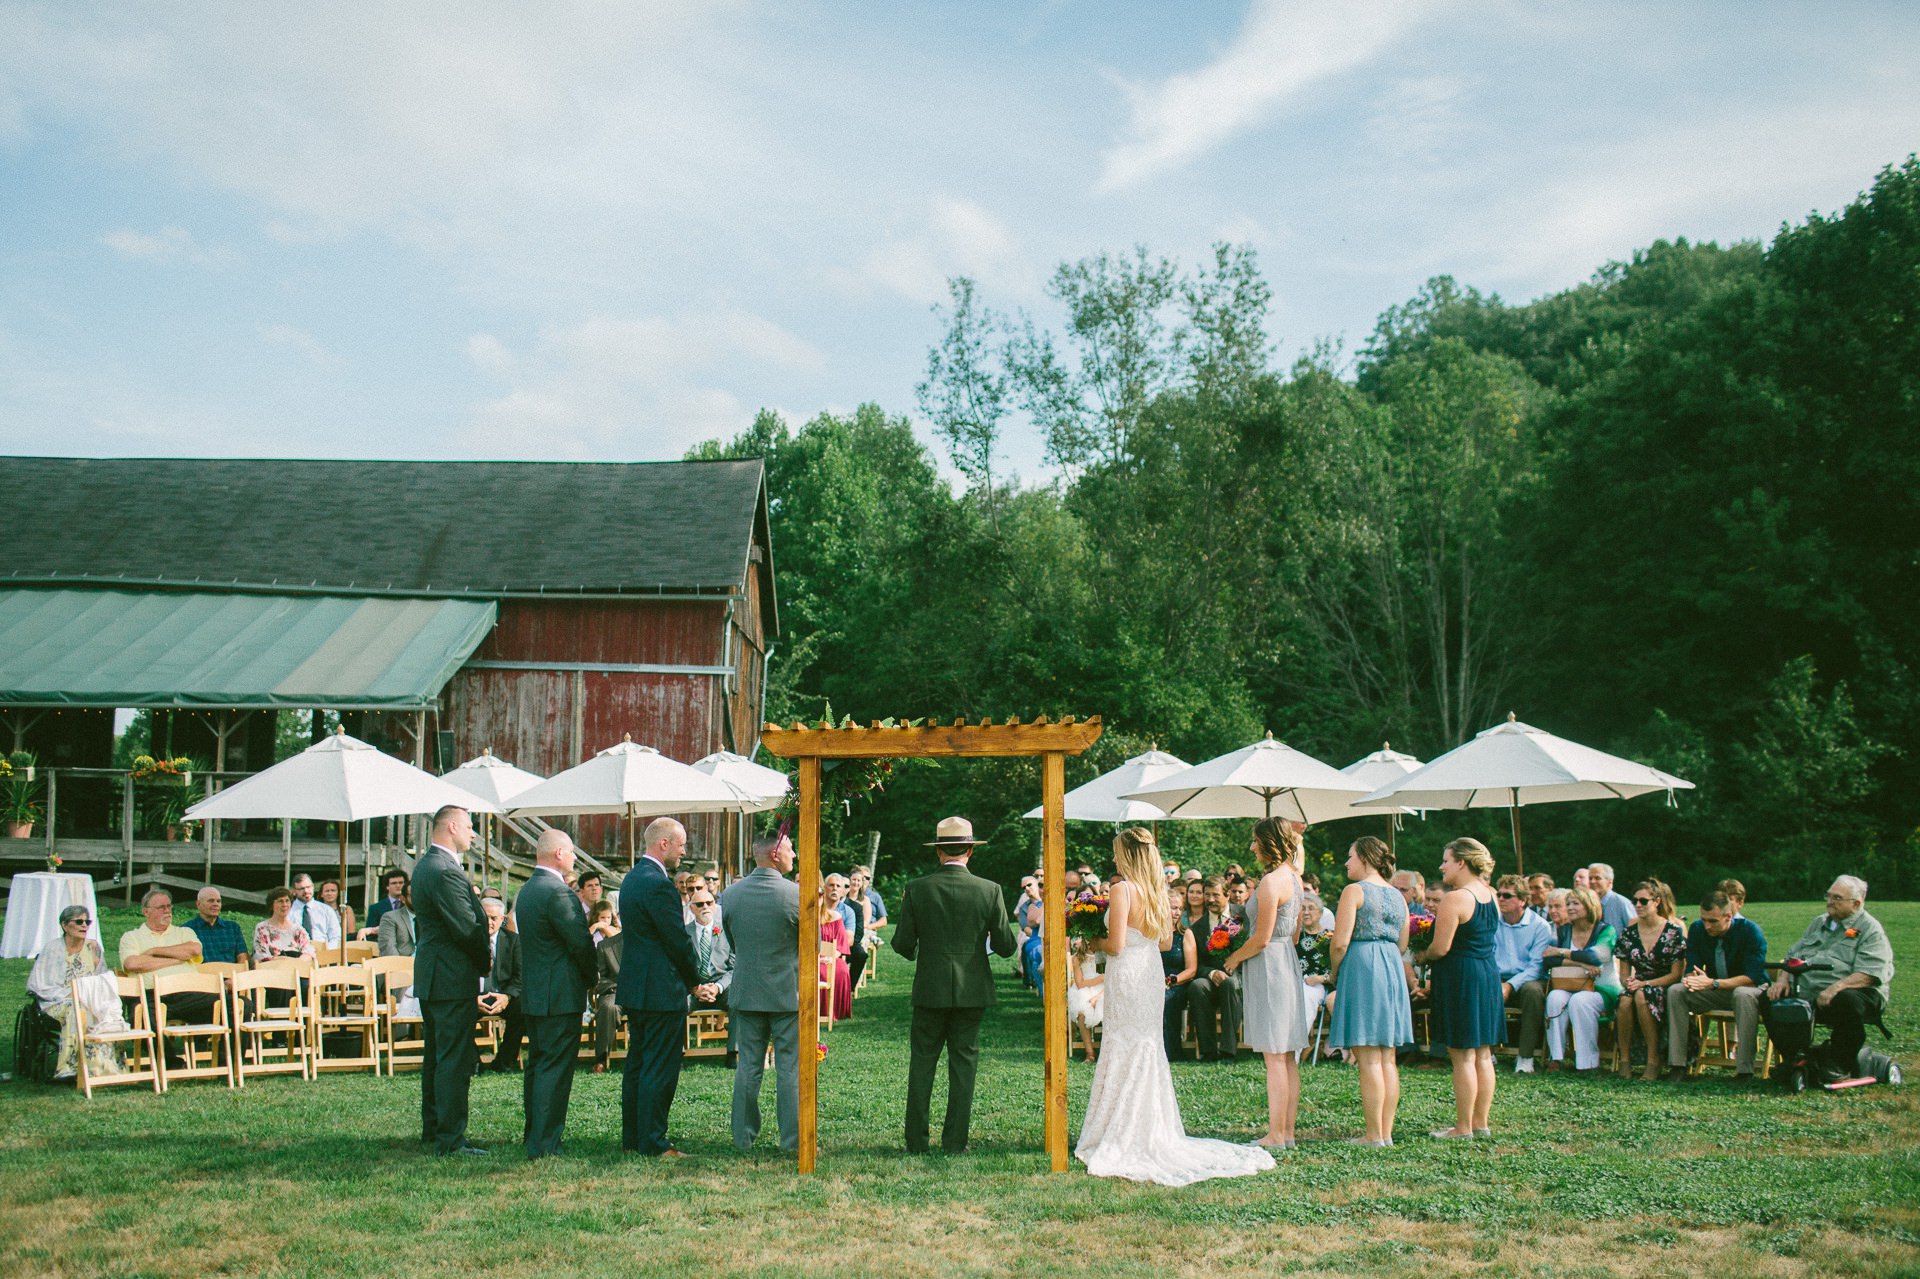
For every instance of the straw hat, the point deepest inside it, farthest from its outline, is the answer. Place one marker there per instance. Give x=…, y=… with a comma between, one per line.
x=954, y=832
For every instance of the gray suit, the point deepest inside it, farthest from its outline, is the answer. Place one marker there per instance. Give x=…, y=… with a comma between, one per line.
x=396, y=932
x=719, y=968
x=760, y=921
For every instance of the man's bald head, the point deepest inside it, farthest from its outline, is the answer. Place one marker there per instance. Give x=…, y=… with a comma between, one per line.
x=554, y=849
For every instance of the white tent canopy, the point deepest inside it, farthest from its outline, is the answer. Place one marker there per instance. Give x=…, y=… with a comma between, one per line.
x=1266, y=779
x=1512, y=765
x=340, y=779
x=1101, y=800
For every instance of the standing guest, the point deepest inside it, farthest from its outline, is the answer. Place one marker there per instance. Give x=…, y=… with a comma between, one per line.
x=1651, y=954
x=1582, y=941
x=605, y=931
x=1273, y=993
x=1539, y=888
x=1194, y=875
x=67, y=958
x=500, y=986
x=762, y=927
x=330, y=895
x=452, y=951
x=221, y=941
x=712, y=956
x=1179, y=967
x=1213, y=995
x=557, y=957
x=1372, y=1017
x=1736, y=893
x=1519, y=945
x=396, y=926
x=1581, y=879
x=277, y=936
x=1467, y=1011
x=1726, y=954
x=837, y=1003
x=1615, y=910
x=393, y=886
x=317, y=919
x=590, y=891
x=958, y=915
x=1851, y=991
x=656, y=975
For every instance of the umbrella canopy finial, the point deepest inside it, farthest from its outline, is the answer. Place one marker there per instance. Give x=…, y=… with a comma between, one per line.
x=1269, y=734
x=487, y=751
x=1386, y=746
x=1511, y=717
x=626, y=737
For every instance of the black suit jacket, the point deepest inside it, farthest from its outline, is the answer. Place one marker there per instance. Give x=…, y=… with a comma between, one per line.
x=556, y=951
x=1203, y=926
x=450, y=931
x=656, y=960
x=505, y=976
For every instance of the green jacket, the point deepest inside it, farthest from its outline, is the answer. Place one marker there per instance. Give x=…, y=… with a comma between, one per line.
x=944, y=923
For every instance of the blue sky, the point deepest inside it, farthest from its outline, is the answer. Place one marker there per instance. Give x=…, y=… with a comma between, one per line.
x=608, y=231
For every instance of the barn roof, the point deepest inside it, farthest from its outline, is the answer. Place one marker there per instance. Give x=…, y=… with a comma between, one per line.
x=378, y=528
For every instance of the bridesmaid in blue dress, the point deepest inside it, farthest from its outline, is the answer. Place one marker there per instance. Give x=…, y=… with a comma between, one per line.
x=1273, y=994
x=1468, y=1016
x=1371, y=1013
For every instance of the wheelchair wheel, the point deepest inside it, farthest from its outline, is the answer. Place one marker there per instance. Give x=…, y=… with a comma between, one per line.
x=1797, y=1079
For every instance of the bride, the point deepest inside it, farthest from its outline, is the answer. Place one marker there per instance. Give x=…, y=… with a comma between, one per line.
x=1133, y=1127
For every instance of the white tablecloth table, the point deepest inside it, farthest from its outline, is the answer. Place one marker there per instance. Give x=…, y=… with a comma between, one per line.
x=34, y=904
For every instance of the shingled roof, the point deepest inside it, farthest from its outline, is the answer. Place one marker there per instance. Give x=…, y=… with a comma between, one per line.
x=375, y=528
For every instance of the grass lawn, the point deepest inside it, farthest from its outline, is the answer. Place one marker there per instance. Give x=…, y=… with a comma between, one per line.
x=1585, y=1177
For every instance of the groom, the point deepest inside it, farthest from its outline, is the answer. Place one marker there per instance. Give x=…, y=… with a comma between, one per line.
x=951, y=915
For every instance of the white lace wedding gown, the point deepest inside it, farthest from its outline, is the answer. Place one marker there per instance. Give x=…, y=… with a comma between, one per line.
x=1132, y=1128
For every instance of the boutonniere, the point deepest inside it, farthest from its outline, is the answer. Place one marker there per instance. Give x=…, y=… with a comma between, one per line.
x=716, y=930
x=1852, y=933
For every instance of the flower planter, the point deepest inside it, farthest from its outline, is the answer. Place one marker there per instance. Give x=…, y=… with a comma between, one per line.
x=19, y=830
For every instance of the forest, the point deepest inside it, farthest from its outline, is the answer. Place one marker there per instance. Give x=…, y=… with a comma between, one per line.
x=1672, y=513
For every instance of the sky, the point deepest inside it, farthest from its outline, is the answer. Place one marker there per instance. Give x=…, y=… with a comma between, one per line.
x=610, y=231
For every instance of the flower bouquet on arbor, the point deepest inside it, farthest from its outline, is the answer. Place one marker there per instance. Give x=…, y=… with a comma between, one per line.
x=1087, y=917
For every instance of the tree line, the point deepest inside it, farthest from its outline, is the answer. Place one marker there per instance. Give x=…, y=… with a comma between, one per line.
x=1672, y=513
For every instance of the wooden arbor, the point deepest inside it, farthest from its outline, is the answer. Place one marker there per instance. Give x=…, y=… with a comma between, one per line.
x=1053, y=741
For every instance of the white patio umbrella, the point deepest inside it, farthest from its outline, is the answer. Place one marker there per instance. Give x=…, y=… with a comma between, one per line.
x=1513, y=764
x=494, y=780
x=341, y=779
x=1376, y=770
x=764, y=788
x=1266, y=779
x=1100, y=800
x=634, y=781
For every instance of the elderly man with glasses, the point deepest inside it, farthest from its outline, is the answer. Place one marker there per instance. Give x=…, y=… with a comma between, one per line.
x=1850, y=992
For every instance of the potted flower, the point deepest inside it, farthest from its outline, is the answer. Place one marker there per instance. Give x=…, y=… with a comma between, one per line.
x=19, y=794
x=168, y=779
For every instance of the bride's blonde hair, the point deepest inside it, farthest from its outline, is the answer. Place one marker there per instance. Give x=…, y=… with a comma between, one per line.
x=1136, y=860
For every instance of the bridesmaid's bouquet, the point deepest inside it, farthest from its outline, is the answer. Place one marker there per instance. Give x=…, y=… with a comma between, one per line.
x=1419, y=931
x=1225, y=936
x=1087, y=916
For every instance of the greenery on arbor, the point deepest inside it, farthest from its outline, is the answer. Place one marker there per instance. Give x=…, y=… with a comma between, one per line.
x=1673, y=512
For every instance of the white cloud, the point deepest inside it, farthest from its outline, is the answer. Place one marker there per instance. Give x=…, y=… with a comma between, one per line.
x=169, y=244
x=958, y=237
x=301, y=343
x=1416, y=119
x=1283, y=49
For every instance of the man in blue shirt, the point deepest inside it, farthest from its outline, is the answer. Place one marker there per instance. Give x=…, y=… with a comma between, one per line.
x=221, y=941
x=1519, y=945
x=1726, y=970
x=1614, y=909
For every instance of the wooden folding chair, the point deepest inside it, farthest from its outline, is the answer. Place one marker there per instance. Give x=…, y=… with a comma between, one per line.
x=706, y=1033
x=829, y=961
x=214, y=1037
x=359, y=952
x=1714, y=1031
x=393, y=978
x=137, y=1040
x=223, y=969
x=343, y=987
x=254, y=1021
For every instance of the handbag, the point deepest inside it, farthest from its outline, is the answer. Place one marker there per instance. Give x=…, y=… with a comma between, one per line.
x=1572, y=977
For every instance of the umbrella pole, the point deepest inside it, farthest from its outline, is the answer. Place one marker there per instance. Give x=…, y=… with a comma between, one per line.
x=1519, y=857
x=632, y=861
x=343, y=886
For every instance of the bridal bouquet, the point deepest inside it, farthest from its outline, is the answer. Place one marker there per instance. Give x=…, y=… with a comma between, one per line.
x=1087, y=916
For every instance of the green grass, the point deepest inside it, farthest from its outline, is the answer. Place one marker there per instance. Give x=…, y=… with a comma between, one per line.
x=1586, y=1177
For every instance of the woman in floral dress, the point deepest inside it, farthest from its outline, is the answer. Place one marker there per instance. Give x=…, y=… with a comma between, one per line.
x=1651, y=955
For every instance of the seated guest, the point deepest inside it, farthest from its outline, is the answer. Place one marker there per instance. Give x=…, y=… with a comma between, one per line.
x=1650, y=956
x=590, y=891
x=393, y=883
x=1614, y=909
x=863, y=888
x=500, y=985
x=1030, y=946
x=1519, y=941
x=277, y=936
x=1581, y=940
x=1238, y=890
x=1736, y=893
x=68, y=957
x=1726, y=956
x=1580, y=878
x=319, y=921
x=606, y=984
x=1074, y=882
x=1213, y=996
x=1851, y=992
x=1323, y=921
x=1412, y=885
x=396, y=924
x=1179, y=964
x=683, y=884
x=712, y=956
x=330, y=894
x=159, y=944
x=1315, y=946
x=708, y=873
x=853, y=913
x=1538, y=887
x=1557, y=906
x=220, y=939
x=833, y=929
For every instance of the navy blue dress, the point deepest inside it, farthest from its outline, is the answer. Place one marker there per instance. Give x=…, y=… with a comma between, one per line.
x=1467, y=1009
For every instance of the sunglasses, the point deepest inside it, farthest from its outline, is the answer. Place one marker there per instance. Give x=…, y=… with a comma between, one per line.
x=83, y=921
x=1643, y=901
x=1512, y=897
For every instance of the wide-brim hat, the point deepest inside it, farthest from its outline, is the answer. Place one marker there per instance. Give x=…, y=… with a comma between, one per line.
x=954, y=832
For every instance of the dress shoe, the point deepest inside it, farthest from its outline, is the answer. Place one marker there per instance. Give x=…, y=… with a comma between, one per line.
x=674, y=1152
x=468, y=1149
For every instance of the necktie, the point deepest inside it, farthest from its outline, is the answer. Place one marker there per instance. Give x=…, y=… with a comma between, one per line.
x=703, y=949
x=306, y=920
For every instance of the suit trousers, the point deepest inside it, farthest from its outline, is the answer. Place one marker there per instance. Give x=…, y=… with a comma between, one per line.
x=750, y=1033
x=1742, y=1001
x=1204, y=1001
x=1848, y=1015
x=856, y=963
x=1531, y=1000
x=957, y=1031
x=553, y=1045
x=655, y=1043
x=606, y=1025
x=446, y=1070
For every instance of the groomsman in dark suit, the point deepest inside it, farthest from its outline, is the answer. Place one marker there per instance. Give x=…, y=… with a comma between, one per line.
x=948, y=919
x=449, y=957
x=557, y=967
x=657, y=972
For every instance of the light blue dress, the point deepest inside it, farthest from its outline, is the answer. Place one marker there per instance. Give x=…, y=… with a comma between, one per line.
x=1273, y=993
x=1370, y=1008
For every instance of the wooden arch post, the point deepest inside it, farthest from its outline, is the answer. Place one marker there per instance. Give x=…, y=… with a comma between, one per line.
x=1053, y=742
